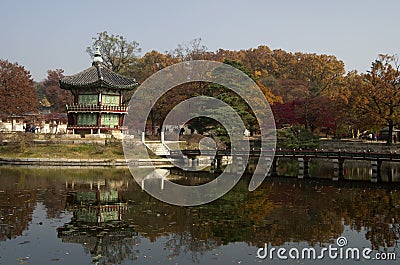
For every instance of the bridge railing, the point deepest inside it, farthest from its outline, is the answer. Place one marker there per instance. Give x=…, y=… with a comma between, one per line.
x=366, y=155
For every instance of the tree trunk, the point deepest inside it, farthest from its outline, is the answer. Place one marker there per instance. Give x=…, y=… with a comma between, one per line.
x=389, y=140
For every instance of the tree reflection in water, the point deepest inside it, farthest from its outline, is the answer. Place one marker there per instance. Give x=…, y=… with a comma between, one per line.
x=112, y=215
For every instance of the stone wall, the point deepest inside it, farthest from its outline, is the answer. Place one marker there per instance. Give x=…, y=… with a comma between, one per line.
x=358, y=146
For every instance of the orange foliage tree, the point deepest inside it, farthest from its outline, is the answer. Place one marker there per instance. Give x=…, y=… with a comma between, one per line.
x=376, y=95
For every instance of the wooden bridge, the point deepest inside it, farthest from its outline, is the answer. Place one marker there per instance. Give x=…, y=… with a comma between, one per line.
x=302, y=156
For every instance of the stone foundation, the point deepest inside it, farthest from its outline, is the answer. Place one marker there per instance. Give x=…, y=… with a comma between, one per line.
x=358, y=146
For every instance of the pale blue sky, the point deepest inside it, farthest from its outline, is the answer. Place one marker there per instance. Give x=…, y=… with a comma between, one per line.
x=50, y=34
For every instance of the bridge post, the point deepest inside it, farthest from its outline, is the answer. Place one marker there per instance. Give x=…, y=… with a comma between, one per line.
x=194, y=163
x=376, y=170
x=162, y=136
x=186, y=162
x=212, y=166
x=219, y=164
x=273, y=171
x=338, y=169
x=306, y=167
x=303, y=167
x=390, y=173
x=267, y=161
x=379, y=170
x=239, y=164
x=143, y=137
x=180, y=161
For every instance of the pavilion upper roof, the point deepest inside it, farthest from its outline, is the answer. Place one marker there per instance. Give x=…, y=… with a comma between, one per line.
x=97, y=76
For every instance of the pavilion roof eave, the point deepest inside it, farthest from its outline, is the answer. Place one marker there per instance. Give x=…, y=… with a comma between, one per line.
x=96, y=85
x=97, y=77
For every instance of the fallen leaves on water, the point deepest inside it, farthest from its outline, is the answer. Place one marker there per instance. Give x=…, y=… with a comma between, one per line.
x=23, y=260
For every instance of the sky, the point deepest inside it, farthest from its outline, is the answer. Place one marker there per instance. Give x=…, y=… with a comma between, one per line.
x=46, y=35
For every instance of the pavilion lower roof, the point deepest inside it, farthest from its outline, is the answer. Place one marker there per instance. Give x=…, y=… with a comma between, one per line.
x=97, y=76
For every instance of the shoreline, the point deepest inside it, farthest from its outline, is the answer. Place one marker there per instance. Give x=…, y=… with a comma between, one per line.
x=68, y=162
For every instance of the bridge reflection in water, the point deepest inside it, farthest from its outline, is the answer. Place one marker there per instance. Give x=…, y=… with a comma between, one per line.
x=303, y=158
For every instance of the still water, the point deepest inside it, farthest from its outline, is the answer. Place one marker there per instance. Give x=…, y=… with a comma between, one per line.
x=101, y=216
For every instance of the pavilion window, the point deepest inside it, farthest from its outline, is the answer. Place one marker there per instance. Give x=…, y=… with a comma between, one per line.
x=110, y=120
x=87, y=119
x=110, y=100
x=88, y=99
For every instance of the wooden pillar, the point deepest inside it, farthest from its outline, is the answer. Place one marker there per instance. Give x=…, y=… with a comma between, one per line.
x=120, y=121
x=338, y=169
x=99, y=122
x=99, y=101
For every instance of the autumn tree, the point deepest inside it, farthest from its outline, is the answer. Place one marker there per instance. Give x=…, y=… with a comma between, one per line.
x=194, y=50
x=233, y=99
x=280, y=64
x=376, y=94
x=150, y=63
x=118, y=53
x=323, y=72
x=56, y=96
x=17, y=91
x=287, y=89
x=350, y=118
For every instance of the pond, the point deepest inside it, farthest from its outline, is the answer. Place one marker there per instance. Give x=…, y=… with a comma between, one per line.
x=101, y=216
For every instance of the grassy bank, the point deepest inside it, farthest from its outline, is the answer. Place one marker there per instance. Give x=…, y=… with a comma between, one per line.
x=77, y=151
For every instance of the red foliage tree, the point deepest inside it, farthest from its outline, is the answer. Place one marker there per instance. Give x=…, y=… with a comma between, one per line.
x=17, y=91
x=312, y=113
x=284, y=114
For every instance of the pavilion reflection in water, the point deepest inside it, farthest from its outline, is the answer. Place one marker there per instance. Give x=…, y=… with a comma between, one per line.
x=282, y=210
x=98, y=209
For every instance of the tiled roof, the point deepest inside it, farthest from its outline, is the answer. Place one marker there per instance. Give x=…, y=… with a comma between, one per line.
x=97, y=76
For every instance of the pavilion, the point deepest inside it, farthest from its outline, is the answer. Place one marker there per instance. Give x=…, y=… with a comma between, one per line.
x=98, y=107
